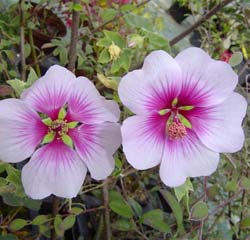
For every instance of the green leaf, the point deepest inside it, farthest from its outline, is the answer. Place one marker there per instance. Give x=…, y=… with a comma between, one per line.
x=49, y=137
x=157, y=42
x=245, y=223
x=124, y=225
x=68, y=222
x=40, y=219
x=76, y=210
x=58, y=225
x=27, y=50
x=123, y=62
x=184, y=120
x=108, y=82
x=108, y=14
x=121, y=208
x=174, y=205
x=116, y=38
x=155, y=219
x=17, y=85
x=137, y=21
x=103, y=42
x=236, y=59
x=245, y=183
x=231, y=186
x=32, y=77
x=77, y=7
x=47, y=121
x=135, y=206
x=104, y=56
x=67, y=140
x=72, y=124
x=17, y=224
x=183, y=190
x=199, y=211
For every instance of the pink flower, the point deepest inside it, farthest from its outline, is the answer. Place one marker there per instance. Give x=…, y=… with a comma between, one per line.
x=225, y=56
x=186, y=113
x=78, y=131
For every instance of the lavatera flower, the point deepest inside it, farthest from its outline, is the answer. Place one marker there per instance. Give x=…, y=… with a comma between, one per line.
x=66, y=127
x=186, y=114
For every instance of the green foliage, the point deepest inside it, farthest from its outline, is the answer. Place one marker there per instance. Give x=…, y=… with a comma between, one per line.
x=17, y=224
x=199, y=211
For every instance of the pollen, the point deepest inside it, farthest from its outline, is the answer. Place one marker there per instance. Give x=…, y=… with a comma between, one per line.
x=176, y=131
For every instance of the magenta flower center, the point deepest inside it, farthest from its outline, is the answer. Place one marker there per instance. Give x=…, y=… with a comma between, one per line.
x=176, y=123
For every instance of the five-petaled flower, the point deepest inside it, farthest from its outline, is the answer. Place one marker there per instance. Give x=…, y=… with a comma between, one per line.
x=186, y=114
x=65, y=126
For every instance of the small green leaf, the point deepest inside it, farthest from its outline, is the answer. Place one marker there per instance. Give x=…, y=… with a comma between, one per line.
x=155, y=219
x=124, y=225
x=175, y=206
x=163, y=112
x=236, y=59
x=121, y=208
x=184, y=120
x=76, y=210
x=104, y=56
x=47, y=121
x=72, y=124
x=18, y=224
x=58, y=225
x=49, y=137
x=186, y=108
x=67, y=140
x=245, y=223
x=17, y=85
x=77, y=7
x=32, y=77
x=27, y=50
x=199, y=211
x=62, y=113
x=68, y=222
x=245, y=183
x=108, y=14
x=136, y=206
x=40, y=219
x=183, y=190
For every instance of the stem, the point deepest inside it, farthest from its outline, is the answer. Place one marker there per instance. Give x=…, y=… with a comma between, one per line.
x=106, y=209
x=212, y=12
x=55, y=207
x=33, y=51
x=74, y=38
x=22, y=54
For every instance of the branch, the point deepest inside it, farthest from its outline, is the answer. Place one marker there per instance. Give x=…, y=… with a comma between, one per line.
x=106, y=209
x=55, y=207
x=74, y=38
x=212, y=12
x=22, y=54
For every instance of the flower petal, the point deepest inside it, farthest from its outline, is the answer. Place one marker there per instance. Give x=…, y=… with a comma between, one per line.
x=53, y=169
x=96, y=144
x=51, y=92
x=21, y=130
x=154, y=86
x=219, y=127
x=143, y=141
x=211, y=80
x=86, y=104
x=186, y=157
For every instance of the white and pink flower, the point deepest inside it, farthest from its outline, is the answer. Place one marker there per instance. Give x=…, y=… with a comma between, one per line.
x=66, y=127
x=186, y=114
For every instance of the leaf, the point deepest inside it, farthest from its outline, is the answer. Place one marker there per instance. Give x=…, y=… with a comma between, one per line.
x=76, y=210
x=49, y=137
x=17, y=85
x=27, y=50
x=245, y=183
x=199, y=211
x=174, y=205
x=32, y=77
x=186, y=108
x=68, y=222
x=121, y=208
x=138, y=21
x=184, y=120
x=108, y=14
x=47, y=121
x=17, y=224
x=62, y=113
x=155, y=219
x=124, y=225
x=108, y=82
x=115, y=37
x=245, y=223
x=104, y=56
x=236, y=59
x=72, y=124
x=183, y=190
x=40, y=219
x=135, y=206
x=103, y=42
x=58, y=225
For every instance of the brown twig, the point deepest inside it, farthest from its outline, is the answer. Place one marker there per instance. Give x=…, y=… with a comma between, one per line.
x=212, y=12
x=55, y=207
x=106, y=210
x=74, y=38
x=22, y=40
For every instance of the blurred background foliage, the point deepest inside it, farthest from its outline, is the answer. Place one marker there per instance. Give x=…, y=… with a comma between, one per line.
x=113, y=38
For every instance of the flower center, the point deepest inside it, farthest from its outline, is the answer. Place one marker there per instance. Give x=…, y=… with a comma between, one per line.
x=176, y=130
x=59, y=129
x=176, y=123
